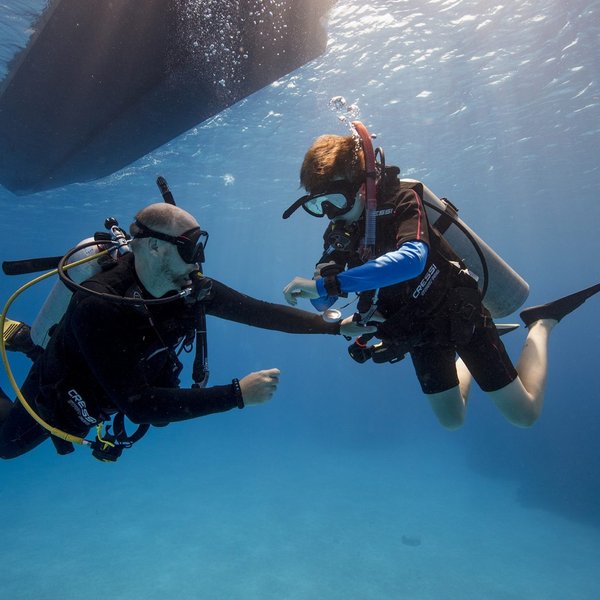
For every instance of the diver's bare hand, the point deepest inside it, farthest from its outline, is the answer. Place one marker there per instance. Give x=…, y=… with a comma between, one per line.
x=300, y=287
x=259, y=387
x=350, y=328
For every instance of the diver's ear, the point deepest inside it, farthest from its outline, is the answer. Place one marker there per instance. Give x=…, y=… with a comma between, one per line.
x=153, y=245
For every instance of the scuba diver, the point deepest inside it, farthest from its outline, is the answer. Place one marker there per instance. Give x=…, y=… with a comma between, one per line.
x=114, y=353
x=413, y=285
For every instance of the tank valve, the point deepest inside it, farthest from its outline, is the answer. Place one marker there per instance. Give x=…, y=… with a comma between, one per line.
x=118, y=235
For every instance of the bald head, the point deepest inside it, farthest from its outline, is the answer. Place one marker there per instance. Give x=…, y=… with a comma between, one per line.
x=165, y=218
x=158, y=262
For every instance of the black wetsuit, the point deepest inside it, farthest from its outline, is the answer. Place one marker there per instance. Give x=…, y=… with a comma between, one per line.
x=106, y=357
x=440, y=312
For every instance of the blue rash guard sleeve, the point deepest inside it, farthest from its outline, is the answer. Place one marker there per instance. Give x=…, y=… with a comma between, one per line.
x=394, y=267
x=324, y=302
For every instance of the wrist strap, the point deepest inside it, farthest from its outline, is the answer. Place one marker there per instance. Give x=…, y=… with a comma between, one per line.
x=237, y=393
x=332, y=285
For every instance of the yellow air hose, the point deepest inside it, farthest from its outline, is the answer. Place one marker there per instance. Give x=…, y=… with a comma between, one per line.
x=53, y=430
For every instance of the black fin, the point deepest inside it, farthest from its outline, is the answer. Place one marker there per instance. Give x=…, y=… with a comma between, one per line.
x=17, y=338
x=30, y=265
x=560, y=308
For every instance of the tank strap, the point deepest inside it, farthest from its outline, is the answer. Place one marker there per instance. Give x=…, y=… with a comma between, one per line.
x=449, y=216
x=465, y=313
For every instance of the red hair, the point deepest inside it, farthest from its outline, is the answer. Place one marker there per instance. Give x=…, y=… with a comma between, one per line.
x=332, y=157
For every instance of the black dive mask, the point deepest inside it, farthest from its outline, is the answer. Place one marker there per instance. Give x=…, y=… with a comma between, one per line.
x=190, y=244
x=336, y=201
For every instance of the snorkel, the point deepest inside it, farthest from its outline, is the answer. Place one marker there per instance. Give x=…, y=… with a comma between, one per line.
x=370, y=185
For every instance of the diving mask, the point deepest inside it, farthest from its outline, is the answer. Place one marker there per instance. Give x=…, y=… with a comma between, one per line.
x=337, y=200
x=190, y=244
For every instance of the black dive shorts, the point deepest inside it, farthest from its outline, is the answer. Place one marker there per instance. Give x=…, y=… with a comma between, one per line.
x=485, y=357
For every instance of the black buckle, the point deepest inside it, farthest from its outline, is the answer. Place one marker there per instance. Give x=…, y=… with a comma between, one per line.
x=105, y=451
x=467, y=311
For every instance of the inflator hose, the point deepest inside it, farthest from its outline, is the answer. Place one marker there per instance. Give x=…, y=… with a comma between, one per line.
x=52, y=430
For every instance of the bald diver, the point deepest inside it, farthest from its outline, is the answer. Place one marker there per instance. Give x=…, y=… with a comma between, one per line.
x=114, y=353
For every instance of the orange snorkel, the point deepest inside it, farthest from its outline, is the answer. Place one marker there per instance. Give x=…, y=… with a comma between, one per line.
x=370, y=184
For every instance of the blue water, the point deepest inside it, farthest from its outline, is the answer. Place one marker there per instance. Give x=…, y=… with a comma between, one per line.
x=496, y=107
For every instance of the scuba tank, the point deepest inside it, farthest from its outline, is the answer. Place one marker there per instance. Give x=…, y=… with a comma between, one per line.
x=58, y=299
x=504, y=291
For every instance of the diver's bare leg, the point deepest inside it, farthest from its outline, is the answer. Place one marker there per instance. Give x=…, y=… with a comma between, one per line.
x=521, y=401
x=450, y=406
